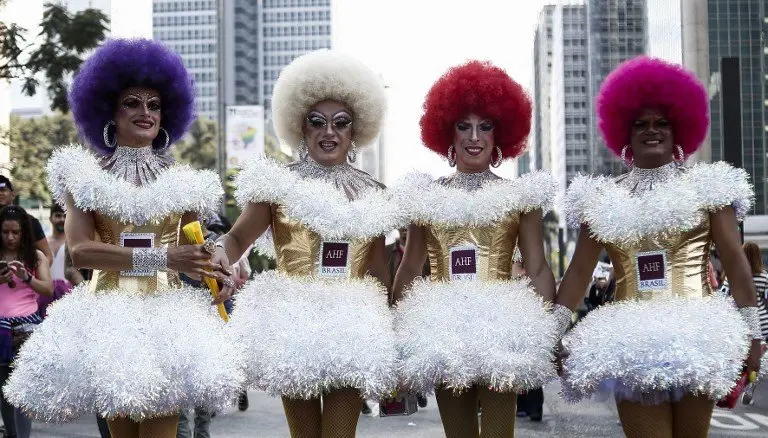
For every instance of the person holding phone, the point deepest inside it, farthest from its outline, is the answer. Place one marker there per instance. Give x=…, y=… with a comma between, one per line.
x=24, y=275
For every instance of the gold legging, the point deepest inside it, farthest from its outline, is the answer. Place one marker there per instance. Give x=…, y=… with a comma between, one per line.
x=687, y=418
x=159, y=427
x=337, y=417
x=458, y=412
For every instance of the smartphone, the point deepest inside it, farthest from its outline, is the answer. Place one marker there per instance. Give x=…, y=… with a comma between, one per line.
x=3, y=268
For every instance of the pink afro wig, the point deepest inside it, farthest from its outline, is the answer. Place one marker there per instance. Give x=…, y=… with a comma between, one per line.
x=480, y=88
x=643, y=83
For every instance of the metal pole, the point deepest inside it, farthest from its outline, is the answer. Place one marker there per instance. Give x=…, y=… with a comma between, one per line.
x=561, y=252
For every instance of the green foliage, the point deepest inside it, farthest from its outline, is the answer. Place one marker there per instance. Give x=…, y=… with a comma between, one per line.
x=66, y=37
x=198, y=147
x=31, y=142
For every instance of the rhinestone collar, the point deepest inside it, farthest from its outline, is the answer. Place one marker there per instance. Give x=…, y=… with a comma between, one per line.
x=345, y=177
x=468, y=181
x=137, y=165
x=640, y=180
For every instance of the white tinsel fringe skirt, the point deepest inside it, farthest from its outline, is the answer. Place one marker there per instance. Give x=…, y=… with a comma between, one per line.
x=459, y=334
x=118, y=354
x=306, y=336
x=656, y=351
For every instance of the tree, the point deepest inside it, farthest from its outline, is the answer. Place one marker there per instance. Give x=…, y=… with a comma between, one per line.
x=66, y=37
x=198, y=147
x=31, y=142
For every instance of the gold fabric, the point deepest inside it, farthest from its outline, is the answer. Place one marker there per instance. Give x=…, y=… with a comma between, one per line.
x=495, y=245
x=298, y=248
x=687, y=254
x=108, y=231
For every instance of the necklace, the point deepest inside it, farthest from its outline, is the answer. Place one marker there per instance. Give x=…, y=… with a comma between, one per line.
x=468, y=181
x=137, y=165
x=639, y=180
x=343, y=176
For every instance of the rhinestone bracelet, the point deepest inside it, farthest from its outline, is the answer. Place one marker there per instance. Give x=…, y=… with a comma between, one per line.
x=155, y=259
x=752, y=318
x=563, y=317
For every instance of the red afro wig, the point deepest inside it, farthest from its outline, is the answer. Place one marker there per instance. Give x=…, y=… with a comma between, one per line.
x=483, y=89
x=643, y=83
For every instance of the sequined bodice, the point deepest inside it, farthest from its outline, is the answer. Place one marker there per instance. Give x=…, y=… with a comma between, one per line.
x=108, y=230
x=300, y=250
x=683, y=255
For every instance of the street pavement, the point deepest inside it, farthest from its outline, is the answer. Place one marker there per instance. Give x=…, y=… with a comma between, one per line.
x=265, y=419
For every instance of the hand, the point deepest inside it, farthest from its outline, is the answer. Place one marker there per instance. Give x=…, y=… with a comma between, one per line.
x=6, y=276
x=18, y=268
x=561, y=354
x=193, y=260
x=226, y=290
x=753, y=360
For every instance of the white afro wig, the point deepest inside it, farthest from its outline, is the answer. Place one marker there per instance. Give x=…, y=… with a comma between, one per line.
x=328, y=75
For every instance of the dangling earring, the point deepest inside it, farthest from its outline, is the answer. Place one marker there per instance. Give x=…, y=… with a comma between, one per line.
x=497, y=162
x=626, y=162
x=110, y=144
x=303, y=149
x=680, y=151
x=352, y=153
x=167, y=138
x=451, y=158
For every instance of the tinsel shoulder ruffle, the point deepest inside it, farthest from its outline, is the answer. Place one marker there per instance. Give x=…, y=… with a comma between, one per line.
x=426, y=202
x=316, y=203
x=74, y=171
x=656, y=346
x=116, y=353
x=305, y=336
x=457, y=334
x=614, y=214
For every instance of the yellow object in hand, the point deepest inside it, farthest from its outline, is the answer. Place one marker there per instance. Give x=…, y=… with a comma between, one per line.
x=752, y=377
x=194, y=233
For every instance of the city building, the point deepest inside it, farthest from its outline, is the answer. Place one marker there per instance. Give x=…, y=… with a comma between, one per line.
x=665, y=33
x=738, y=29
x=617, y=31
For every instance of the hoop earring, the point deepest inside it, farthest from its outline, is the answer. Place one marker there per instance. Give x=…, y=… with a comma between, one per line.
x=680, y=151
x=167, y=138
x=624, y=160
x=303, y=149
x=109, y=144
x=497, y=162
x=352, y=153
x=451, y=157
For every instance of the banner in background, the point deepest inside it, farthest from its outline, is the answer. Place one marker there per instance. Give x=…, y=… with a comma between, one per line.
x=245, y=133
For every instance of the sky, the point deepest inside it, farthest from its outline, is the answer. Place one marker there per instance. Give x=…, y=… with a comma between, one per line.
x=409, y=42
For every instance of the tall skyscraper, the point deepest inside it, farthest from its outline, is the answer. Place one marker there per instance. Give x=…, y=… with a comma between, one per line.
x=617, y=31
x=738, y=29
x=665, y=34
x=569, y=108
x=538, y=154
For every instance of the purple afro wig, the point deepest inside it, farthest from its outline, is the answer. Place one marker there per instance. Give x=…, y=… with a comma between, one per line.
x=643, y=83
x=122, y=63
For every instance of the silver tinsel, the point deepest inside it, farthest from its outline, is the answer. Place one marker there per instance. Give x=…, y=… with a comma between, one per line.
x=343, y=176
x=427, y=201
x=73, y=171
x=304, y=336
x=497, y=334
x=120, y=354
x=318, y=203
x=650, y=350
x=615, y=214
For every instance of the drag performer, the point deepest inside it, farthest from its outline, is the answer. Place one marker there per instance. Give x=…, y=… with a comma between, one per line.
x=668, y=348
x=318, y=327
x=132, y=345
x=470, y=332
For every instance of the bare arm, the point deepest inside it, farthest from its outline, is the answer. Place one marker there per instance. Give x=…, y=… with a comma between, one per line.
x=377, y=265
x=413, y=261
x=43, y=246
x=725, y=233
x=579, y=273
x=251, y=224
x=531, y=241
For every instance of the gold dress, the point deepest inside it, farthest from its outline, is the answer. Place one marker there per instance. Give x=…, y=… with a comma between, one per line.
x=667, y=334
x=318, y=322
x=470, y=323
x=132, y=343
